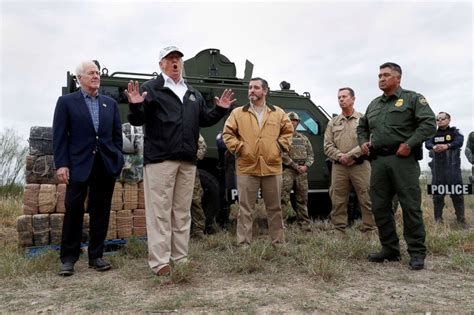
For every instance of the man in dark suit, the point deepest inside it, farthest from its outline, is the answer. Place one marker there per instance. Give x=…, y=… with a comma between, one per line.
x=87, y=141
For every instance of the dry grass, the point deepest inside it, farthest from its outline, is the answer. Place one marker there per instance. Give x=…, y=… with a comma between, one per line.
x=316, y=271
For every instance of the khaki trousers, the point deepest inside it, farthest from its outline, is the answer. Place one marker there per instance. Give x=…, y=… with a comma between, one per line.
x=341, y=179
x=271, y=190
x=168, y=192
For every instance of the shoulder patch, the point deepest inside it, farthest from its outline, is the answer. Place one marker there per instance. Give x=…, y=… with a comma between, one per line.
x=422, y=100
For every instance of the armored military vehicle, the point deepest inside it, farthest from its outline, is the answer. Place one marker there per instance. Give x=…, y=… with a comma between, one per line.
x=211, y=72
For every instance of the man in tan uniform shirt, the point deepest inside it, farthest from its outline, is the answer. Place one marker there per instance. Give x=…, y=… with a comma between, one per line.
x=349, y=166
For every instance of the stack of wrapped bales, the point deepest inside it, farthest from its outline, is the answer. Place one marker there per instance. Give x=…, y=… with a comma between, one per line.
x=43, y=201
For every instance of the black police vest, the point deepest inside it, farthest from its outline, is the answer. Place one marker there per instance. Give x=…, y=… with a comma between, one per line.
x=445, y=136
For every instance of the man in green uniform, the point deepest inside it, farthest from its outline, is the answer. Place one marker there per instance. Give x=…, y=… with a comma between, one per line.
x=295, y=174
x=394, y=128
x=198, y=218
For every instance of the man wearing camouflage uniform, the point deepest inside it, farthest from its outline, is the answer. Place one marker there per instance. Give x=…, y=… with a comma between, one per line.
x=350, y=166
x=198, y=218
x=394, y=128
x=445, y=149
x=295, y=174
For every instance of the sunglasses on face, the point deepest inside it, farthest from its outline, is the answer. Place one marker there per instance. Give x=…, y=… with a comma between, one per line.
x=439, y=118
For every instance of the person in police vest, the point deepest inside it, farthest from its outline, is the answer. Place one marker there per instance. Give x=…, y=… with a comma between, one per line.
x=445, y=149
x=392, y=131
x=296, y=163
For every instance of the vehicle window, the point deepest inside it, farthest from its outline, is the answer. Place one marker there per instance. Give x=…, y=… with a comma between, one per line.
x=307, y=122
x=117, y=93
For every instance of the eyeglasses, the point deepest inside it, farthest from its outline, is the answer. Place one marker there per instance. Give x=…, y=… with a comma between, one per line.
x=439, y=118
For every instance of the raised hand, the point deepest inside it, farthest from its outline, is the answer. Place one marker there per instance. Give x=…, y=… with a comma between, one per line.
x=226, y=99
x=133, y=93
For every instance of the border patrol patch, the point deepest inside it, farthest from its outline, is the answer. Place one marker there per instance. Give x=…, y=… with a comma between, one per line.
x=423, y=100
x=192, y=98
x=399, y=102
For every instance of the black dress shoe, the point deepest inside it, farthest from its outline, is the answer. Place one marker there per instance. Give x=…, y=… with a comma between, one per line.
x=417, y=263
x=99, y=264
x=67, y=269
x=382, y=257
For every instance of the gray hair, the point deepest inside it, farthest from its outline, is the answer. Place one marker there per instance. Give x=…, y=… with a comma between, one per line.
x=80, y=68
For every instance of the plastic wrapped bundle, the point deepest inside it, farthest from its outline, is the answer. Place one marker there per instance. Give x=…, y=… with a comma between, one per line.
x=24, y=227
x=132, y=139
x=30, y=199
x=40, y=170
x=41, y=140
x=47, y=198
x=124, y=224
x=61, y=195
x=41, y=229
x=56, y=225
x=117, y=197
x=130, y=196
x=112, y=229
x=139, y=223
x=141, y=196
x=132, y=171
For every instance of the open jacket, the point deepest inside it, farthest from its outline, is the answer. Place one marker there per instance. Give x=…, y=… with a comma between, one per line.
x=171, y=127
x=258, y=150
x=75, y=141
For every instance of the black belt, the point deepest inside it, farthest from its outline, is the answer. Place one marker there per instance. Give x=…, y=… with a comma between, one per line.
x=384, y=151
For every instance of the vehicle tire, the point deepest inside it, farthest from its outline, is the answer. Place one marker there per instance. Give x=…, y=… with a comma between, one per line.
x=210, y=196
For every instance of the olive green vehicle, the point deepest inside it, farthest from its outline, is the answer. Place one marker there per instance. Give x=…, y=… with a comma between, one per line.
x=210, y=73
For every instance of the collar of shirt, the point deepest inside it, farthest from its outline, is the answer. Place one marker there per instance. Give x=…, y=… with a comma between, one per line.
x=179, y=88
x=170, y=82
x=85, y=95
x=252, y=106
x=397, y=94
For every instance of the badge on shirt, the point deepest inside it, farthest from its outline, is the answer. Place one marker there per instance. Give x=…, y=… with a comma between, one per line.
x=105, y=105
x=192, y=98
x=448, y=137
x=399, y=102
x=423, y=100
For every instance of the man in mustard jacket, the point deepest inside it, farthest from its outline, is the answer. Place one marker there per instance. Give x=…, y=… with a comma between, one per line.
x=257, y=134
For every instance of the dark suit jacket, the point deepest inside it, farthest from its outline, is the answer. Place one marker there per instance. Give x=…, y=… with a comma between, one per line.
x=75, y=141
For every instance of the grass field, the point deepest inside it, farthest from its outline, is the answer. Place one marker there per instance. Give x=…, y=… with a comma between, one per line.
x=316, y=271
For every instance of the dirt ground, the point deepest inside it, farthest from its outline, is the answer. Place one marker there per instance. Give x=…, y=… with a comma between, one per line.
x=366, y=287
x=280, y=287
